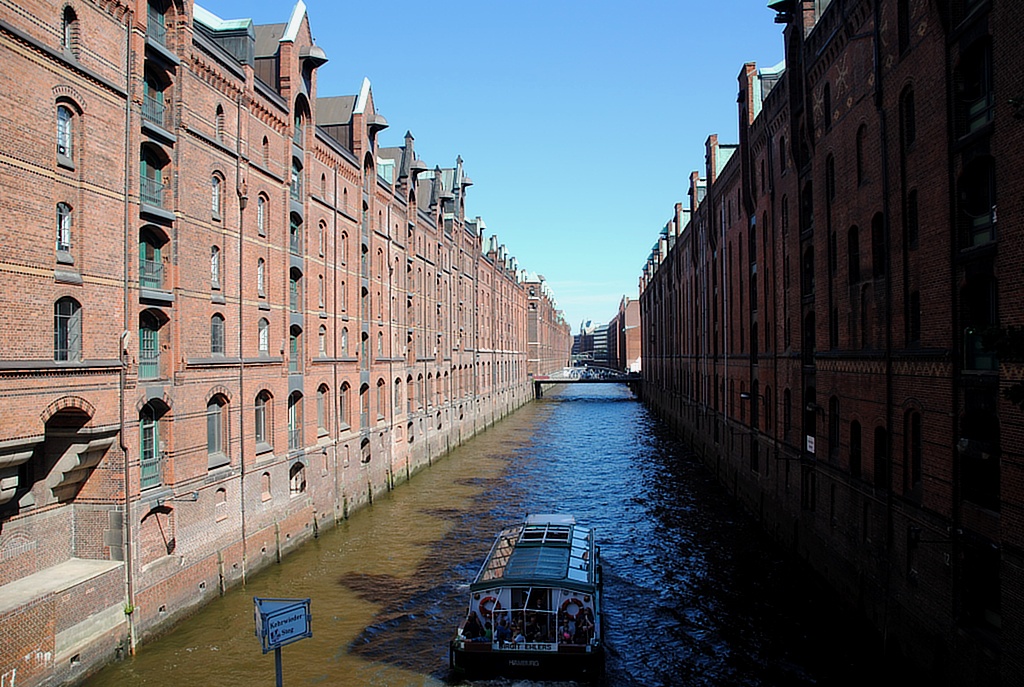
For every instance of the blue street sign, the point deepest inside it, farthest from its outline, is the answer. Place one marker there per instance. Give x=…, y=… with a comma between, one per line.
x=282, y=621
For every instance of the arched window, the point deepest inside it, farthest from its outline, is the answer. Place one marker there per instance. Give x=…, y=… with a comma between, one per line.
x=322, y=237
x=295, y=290
x=296, y=180
x=154, y=107
x=344, y=341
x=215, y=267
x=150, y=455
x=299, y=132
x=65, y=134
x=263, y=329
x=297, y=479
x=216, y=191
x=69, y=32
x=380, y=344
x=220, y=123
x=344, y=405
x=67, y=330
x=156, y=26
x=261, y=277
x=263, y=417
x=294, y=421
x=295, y=348
x=323, y=410
x=149, y=344
x=320, y=291
x=152, y=163
x=783, y=154
x=215, y=430
x=217, y=334
x=382, y=398
x=322, y=341
x=64, y=223
x=261, y=215
x=295, y=234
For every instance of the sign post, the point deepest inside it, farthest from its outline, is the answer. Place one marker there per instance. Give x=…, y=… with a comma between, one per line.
x=280, y=622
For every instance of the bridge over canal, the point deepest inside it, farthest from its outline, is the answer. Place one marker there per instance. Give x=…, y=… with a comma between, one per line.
x=590, y=374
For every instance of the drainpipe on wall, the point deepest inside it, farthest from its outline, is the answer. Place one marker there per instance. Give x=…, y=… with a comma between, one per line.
x=126, y=525
x=241, y=189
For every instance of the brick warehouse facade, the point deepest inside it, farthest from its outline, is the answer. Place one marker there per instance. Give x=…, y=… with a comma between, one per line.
x=821, y=320
x=261, y=319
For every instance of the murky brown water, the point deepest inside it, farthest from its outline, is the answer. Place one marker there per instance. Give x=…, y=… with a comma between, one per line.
x=693, y=594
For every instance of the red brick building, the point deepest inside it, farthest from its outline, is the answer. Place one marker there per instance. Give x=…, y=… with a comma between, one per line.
x=624, y=336
x=815, y=321
x=230, y=316
x=549, y=337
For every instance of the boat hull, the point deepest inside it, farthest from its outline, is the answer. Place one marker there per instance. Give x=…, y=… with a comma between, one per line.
x=480, y=659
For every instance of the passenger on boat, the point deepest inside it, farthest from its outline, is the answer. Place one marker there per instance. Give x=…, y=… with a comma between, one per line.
x=488, y=631
x=584, y=626
x=564, y=636
x=502, y=633
x=472, y=630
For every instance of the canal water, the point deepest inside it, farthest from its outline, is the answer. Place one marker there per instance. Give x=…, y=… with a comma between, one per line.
x=694, y=595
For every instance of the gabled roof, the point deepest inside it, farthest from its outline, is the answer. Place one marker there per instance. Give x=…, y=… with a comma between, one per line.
x=268, y=38
x=335, y=110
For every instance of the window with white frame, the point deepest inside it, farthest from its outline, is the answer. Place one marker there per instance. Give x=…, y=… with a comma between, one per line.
x=262, y=417
x=216, y=427
x=263, y=329
x=64, y=221
x=215, y=267
x=215, y=195
x=261, y=278
x=261, y=216
x=217, y=334
x=65, y=131
x=67, y=330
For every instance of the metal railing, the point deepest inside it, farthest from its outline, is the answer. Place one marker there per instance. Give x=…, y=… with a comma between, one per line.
x=151, y=274
x=151, y=191
x=154, y=109
x=151, y=470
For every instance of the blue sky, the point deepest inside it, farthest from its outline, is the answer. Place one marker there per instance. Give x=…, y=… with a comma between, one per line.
x=579, y=122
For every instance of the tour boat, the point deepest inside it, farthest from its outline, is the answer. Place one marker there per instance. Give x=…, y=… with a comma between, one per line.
x=535, y=605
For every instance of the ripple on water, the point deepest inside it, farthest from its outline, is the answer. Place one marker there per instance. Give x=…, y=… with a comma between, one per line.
x=692, y=594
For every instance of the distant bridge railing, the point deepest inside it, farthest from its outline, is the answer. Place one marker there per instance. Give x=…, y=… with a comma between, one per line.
x=584, y=375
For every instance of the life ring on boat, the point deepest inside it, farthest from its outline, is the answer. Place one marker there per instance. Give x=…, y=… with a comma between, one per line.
x=485, y=611
x=570, y=602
